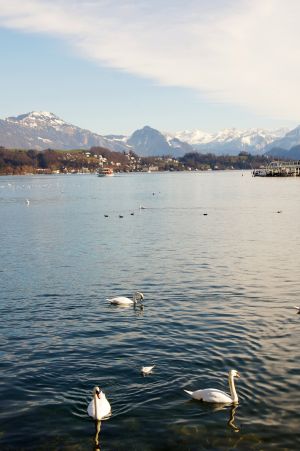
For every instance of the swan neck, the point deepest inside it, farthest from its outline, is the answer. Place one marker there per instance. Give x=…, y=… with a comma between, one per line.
x=95, y=405
x=233, y=392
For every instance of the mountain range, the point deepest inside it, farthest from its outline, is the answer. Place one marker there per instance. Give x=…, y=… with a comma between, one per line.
x=41, y=130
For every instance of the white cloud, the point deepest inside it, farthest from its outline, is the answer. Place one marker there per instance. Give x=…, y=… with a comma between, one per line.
x=243, y=53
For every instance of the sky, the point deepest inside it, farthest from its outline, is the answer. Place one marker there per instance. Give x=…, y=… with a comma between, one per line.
x=113, y=66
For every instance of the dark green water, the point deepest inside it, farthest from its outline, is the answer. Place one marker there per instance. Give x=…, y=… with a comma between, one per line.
x=219, y=291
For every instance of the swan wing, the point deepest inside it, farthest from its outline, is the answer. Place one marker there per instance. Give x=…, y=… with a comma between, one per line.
x=216, y=396
x=210, y=395
x=105, y=408
x=121, y=300
x=91, y=409
x=195, y=394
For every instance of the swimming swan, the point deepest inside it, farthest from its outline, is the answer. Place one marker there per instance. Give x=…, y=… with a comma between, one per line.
x=99, y=407
x=217, y=396
x=121, y=300
x=147, y=369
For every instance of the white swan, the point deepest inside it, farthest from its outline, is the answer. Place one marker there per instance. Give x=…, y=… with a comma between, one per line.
x=217, y=396
x=99, y=407
x=121, y=300
x=147, y=369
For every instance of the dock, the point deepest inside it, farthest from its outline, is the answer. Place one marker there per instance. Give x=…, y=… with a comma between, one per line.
x=279, y=169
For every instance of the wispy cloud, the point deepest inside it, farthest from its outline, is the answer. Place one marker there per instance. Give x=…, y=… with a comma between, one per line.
x=243, y=53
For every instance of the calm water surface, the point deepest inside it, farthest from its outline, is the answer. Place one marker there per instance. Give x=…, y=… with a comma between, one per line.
x=219, y=291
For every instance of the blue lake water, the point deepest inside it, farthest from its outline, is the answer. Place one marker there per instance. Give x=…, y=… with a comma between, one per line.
x=219, y=291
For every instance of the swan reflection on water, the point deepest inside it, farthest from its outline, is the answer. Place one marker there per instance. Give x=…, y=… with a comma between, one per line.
x=97, y=434
x=231, y=419
x=232, y=410
x=97, y=440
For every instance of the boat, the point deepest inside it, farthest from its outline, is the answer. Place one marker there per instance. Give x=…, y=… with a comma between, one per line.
x=103, y=172
x=261, y=172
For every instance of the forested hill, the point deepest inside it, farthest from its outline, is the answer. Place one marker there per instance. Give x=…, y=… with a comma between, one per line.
x=244, y=160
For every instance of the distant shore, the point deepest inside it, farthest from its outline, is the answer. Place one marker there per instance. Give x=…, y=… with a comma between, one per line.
x=30, y=162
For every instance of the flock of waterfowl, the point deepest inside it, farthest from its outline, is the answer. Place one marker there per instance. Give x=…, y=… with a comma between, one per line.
x=99, y=408
x=120, y=216
x=141, y=207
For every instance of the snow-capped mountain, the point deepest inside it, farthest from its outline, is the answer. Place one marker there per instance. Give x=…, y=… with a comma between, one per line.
x=231, y=141
x=289, y=140
x=150, y=142
x=40, y=130
x=194, y=137
x=38, y=119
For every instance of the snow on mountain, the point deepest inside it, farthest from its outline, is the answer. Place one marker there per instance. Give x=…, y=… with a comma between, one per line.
x=194, y=137
x=37, y=130
x=231, y=141
x=38, y=119
x=40, y=130
x=286, y=142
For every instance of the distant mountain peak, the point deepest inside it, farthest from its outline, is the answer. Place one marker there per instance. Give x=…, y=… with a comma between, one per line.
x=40, y=129
x=148, y=141
x=34, y=114
x=37, y=119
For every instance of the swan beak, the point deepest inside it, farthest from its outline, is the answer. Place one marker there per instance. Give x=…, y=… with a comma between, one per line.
x=238, y=375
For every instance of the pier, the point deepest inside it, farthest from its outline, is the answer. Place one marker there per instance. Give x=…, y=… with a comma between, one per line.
x=279, y=169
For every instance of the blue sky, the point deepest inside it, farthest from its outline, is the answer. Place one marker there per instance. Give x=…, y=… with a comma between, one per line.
x=114, y=66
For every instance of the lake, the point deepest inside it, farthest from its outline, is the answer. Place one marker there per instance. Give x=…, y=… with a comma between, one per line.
x=216, y=255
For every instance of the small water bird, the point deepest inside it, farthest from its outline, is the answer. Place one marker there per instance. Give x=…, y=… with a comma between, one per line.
x=99, y=407
x=147, y=369
x=132, y=214
x=27, y=202
x=122, y=300
x=217, y=396
x=120, y=216
x=298, y=308
x=204, y=214
x=106, y=216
